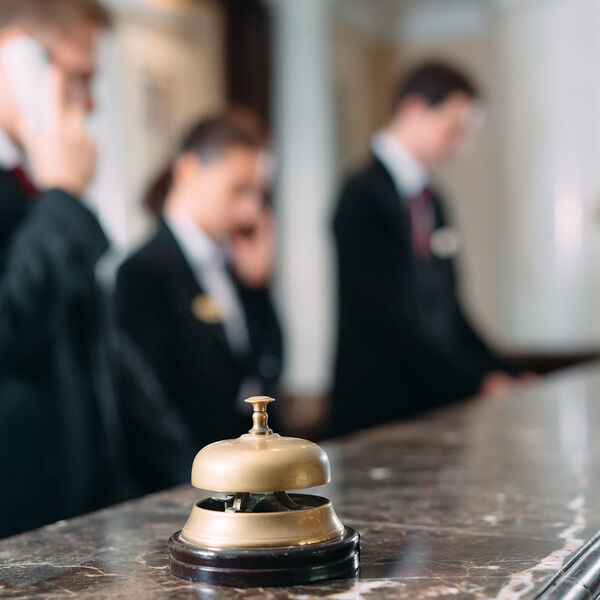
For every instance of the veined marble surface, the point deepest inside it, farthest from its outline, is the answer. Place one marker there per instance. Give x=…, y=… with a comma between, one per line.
x=485, y=499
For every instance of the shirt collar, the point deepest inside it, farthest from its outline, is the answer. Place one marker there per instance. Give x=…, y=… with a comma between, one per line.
x=10, y=156
x=199, y=249
x=408, y=174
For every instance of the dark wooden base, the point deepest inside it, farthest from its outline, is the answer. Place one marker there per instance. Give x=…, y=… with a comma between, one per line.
x=260, y=567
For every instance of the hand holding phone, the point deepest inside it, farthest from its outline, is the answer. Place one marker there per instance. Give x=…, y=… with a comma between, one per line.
x=50, y=126
x=62, y=155
x=253, y=251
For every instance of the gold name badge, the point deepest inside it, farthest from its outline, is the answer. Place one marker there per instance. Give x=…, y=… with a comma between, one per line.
x=206, y=310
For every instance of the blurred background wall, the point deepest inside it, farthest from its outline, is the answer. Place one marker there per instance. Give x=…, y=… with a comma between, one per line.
x=321, y=72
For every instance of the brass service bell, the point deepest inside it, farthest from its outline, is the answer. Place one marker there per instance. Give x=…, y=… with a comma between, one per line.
x=253, y=532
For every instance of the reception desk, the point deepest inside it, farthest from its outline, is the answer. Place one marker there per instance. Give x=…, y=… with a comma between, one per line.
x=486, y=499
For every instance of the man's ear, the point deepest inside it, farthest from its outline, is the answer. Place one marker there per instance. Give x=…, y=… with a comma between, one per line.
x=186, y=168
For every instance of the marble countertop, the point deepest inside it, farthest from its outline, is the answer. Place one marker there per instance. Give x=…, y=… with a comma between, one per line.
x=486, y=499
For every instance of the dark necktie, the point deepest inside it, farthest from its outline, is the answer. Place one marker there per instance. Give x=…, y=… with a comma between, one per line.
x=420, y=212
x=24, y=182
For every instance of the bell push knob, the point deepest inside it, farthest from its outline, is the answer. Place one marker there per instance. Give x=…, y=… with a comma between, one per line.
x=260, y=418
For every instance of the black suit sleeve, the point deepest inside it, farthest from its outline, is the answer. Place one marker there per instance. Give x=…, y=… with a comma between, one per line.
x=160, y=445
x=371, y=269
x=141, y=312
x=476, y=347
x=52, y=255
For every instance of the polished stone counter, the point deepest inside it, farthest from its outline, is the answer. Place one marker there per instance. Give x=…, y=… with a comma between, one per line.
x=481, y=500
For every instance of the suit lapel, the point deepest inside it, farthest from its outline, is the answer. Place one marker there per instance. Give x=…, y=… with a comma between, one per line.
x=393, y=201
x=14, y=207
x=191, y=294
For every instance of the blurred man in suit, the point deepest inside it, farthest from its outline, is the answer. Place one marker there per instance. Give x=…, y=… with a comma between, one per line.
x=195, y=303
x=404, y=342
x=57, y=418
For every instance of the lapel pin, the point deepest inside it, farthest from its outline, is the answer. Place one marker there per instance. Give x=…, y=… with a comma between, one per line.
x=445, y=242
x=206, y=310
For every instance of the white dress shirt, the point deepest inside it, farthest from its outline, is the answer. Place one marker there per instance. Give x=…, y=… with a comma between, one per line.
x=409, y=175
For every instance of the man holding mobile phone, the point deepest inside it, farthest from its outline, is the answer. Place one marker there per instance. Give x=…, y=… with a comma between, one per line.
x=57, y=420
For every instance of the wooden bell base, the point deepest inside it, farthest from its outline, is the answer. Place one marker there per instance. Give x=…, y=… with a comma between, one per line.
x=261, y=567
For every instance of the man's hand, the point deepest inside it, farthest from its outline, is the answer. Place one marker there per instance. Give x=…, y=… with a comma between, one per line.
x=253, y=254
x=497, y=384
x=63, y=156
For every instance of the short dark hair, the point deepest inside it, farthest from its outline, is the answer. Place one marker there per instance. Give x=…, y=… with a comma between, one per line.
x=434, y=82
x=208, y=140
x=62, y=15
x=212, y=137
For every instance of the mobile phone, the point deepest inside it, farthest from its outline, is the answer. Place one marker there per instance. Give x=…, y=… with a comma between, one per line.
x=26, y=66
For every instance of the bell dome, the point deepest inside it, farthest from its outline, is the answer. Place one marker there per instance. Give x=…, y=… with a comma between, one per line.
x=260, y=460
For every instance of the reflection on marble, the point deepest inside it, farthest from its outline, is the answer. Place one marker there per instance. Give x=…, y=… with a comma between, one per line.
x=482, y=500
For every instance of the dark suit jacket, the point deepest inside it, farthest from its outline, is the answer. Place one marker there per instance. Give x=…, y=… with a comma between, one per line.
x=57, y=439
x=404, y=343
x=186, y=361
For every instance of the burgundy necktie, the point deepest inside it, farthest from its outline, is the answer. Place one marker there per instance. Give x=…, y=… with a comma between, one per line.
x=24, y=182
x=421, y=222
